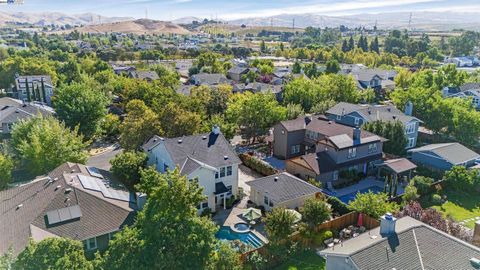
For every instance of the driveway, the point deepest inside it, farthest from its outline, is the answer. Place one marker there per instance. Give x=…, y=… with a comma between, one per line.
x=102, y=161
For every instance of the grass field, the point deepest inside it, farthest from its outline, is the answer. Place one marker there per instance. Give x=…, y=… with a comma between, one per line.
x=306, y=260
x=459, y=206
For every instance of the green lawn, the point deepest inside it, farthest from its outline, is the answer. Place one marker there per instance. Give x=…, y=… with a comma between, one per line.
x=306, y=260
x=459, y=205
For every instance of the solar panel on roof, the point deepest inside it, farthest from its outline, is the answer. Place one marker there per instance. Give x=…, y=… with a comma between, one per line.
x=98, y=185
x=64, y=214
x=94, y=172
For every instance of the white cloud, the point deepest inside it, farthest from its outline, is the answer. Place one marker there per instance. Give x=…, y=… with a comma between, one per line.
x=325, y=9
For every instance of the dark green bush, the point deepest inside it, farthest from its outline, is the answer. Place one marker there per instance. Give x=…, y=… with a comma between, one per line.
x=423, y=184
x=338, y=206
x=257, y=165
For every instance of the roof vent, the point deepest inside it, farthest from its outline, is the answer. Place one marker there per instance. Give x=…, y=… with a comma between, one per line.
x=58, y=187
x=329, y=122
x=72, y=171
x=275, y=179
x=389, y=109
x=154, y=140
x=204, y=137
x=475, y=262
x=19, y=206
x=225, y=157
x=55, y=179
x=68, y=190
x=179, y=140
x=162, y=139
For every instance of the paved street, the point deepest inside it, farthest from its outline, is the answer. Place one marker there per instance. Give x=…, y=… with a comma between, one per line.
x=102, y=161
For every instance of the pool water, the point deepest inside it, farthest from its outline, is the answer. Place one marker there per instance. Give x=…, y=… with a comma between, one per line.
x=351, y=196
x=225, y=233
x=242, y=227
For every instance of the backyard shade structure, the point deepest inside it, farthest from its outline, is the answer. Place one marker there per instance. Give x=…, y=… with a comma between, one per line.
x=397, y=167
x=252, y=213
x=297, y=215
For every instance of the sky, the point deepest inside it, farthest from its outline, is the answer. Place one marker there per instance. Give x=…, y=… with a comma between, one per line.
x=230, y=10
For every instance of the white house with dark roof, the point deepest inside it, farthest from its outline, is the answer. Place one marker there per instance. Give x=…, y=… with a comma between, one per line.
x=209, y=158
x=358, y=114
x=281, y=190
x=403, y=243
x=13, y=111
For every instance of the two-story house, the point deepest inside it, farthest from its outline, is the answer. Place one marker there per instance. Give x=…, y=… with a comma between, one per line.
x=13, y=111
x=320, y=149
x=356, y=115
x=33, y=88
x=208, y=158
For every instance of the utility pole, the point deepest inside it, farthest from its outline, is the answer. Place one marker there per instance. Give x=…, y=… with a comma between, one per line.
x=410, y=22
x=293, y=23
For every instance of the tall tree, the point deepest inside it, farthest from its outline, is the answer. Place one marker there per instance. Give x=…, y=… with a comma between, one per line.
x=374, y=205
x=374, y=47
x=53, y=253
x=351, y=43
x=81, y=104
x=316, y=211
x=345, y=47
x=254, y=114
x=393, y=131
x=279, y=224
x=169, y=219
x=6, y=167
x=44, y=143
x=140, y=124
x=126, y=166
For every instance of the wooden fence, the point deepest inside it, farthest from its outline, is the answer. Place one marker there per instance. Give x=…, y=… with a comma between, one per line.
x=347, y=220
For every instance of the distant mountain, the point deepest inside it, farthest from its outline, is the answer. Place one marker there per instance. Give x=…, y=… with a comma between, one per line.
x=140, y=26
x=186, y=20
x=47, y=18
x=420, y=20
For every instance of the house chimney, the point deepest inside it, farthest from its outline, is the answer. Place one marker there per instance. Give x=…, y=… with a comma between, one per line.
x=409, y=108
x=387, y=224
x=141, y=199
x=476, y=234
x=216, y=130
x=356, y=135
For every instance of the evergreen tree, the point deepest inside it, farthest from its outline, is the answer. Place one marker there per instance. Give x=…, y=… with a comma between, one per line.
x=345, y=47
x=374, y=47
x=351, y=43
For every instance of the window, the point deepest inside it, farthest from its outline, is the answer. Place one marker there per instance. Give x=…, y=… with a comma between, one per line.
x=335, y=175
x=339, y=117
x=229, y=190
x=202, y=205
x=229, y=170
x=265, y=200
x=296, y=149
x=410, y=128
x=91, y=243
x=352, y=152
x=216, y=175
x=372, y=148
x=357, y=121
x=222, y=172
x=411, y=142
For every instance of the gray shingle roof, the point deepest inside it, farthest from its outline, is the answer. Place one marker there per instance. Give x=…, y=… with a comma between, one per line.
x=210, y=149
x=144, y=75
x=283, y=187
x=209, y=79
x=414, y=244
x=454, y=153
x=14, y=110
x=99, y=215
x=372, y=112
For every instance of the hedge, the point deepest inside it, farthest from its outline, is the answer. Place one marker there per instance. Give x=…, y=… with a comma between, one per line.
x=338, y=206
x=257, y=165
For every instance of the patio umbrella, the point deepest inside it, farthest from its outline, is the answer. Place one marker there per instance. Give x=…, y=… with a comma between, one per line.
x=252, y=213
x=360, y=220
x=297, y=215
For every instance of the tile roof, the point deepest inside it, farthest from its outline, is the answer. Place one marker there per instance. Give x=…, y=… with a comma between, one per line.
x=209, y=149
x=23, y=210
x=283, y=187
x=454, y=153
x=415, y=245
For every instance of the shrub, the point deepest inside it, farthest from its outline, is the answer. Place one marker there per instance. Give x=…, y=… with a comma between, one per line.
x=206, y=212
x=338, y=206
x=423, y=184
x=436, y=199
x=257, y=165
x=323, y=235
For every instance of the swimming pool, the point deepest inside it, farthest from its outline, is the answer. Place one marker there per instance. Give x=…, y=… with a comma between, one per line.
x=225, y=233
x=351, y=196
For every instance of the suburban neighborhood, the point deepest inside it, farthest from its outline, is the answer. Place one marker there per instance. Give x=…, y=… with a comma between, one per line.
x=299, y=136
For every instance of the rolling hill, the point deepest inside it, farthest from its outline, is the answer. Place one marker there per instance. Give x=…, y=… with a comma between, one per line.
x=47, y=18
x=140, y=26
